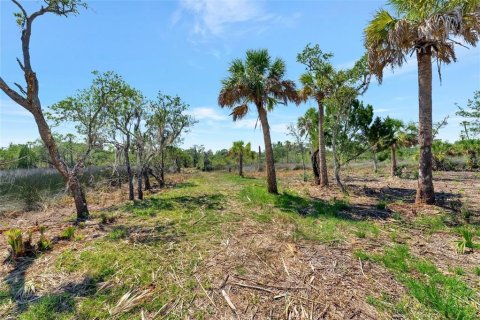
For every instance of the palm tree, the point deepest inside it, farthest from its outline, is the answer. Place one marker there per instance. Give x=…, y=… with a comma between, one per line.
x=424, y=27
x=238, y=151
x=259, y=81
x=318, y=83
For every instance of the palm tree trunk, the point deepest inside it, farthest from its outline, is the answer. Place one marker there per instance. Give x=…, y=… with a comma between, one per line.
x=315, y=159
x=321, y=146
x=393, y=148
x=139, y=183
x=259, y=159
x=336, y=163
x=240, y=165
x=271, y=176
x=375, y=165
x=425, y=191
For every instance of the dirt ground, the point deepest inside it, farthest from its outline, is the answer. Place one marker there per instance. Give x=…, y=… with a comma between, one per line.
x=285, y=279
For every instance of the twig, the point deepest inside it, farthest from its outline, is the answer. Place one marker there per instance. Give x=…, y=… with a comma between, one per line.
x=205, y=291
x=361, y=267
x=229, y=302
x=252, y=287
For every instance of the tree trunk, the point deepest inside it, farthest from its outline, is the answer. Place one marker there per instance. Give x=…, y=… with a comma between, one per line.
x=240, y=165
x=336, y=164
x=71, y=180
x=139, y=183
x=375, y=165
x=322, y=163
x=131, y=191
x=259, y=159
x=146, y=177
x=394, y=159
x=162, y=171
x=178, y=165
x=79, y=198
x=303, y=163
x=315, y=160
x=270, y=162
x=425, y=191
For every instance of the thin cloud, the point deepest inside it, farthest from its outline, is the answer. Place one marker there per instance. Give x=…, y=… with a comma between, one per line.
x=205, y=113
x=220, y=17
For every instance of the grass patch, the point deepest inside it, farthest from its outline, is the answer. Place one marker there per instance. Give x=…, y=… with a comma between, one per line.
x=447, y=295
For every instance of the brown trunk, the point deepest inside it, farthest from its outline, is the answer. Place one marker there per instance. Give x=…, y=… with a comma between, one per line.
x=79, y=198
x=162, y=171
x=270, y=162
x=336, y=164
x=322, y=163
x=240, y=165
x=131, y=191
x=71, y=180
x=315, y=159
x=146, y=179
x=394, y=159
x=425, y=191
x=259, y=159
x=140, y=184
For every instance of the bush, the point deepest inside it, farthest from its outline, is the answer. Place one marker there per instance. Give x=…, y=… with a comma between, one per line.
x=68, y=233
x=43, y=243
x=467, y=241
x=15, y=241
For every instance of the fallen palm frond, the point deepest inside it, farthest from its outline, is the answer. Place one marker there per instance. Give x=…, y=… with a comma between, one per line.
x=128, y=301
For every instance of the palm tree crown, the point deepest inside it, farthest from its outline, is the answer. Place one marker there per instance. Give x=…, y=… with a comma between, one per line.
x=436, y=25
x=256, y=80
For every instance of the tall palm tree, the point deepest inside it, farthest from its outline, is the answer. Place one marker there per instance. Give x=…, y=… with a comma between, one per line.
x=424, y=27
x=318, y=84
x=259, y=81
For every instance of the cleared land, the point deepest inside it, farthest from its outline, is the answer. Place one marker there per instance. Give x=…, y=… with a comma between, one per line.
x=217, y=246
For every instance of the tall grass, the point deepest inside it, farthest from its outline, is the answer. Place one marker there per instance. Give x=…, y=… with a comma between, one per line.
x=26, y=188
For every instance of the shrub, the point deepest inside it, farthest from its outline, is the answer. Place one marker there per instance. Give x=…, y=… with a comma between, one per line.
x=68, y=233
x=30, y=196
x=15, y=241
x=43, y=243
x=467, y=241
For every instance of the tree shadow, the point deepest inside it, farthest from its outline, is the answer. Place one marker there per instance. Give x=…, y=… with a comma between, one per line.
x=335, y=208
x=160, y=233
x=208, y=202
x=58, y=303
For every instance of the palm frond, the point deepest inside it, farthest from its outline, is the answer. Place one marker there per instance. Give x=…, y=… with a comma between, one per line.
x=239, y=112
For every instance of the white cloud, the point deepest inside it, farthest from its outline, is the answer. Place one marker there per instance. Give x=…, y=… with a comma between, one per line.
x=279, y=128
x=220, y=17
x=213, y=16
x=206, y=113
x=247, y=123
x=382, y=110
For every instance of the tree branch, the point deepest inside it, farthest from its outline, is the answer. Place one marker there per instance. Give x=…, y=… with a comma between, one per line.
x=24, y=12
x=15, y=96
x=20, y=88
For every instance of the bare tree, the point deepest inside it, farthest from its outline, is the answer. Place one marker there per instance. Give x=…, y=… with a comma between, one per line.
x=29, y=98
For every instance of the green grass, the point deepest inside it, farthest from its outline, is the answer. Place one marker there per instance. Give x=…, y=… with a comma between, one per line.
x=447, y=295
x=160, y=244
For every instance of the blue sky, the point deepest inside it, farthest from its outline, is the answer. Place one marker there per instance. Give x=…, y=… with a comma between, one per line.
x=185, y=47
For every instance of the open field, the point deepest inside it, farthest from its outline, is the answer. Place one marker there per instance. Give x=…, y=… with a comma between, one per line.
x=217, y=246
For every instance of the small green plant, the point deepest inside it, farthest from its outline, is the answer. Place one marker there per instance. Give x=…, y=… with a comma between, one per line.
x=43, y=243
x=361, y=234
x=466, y=214
x=15, y=241
x=382, y=204
x=477, y=271
x=467, y=241
x=118, y=232
x=68, y=233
